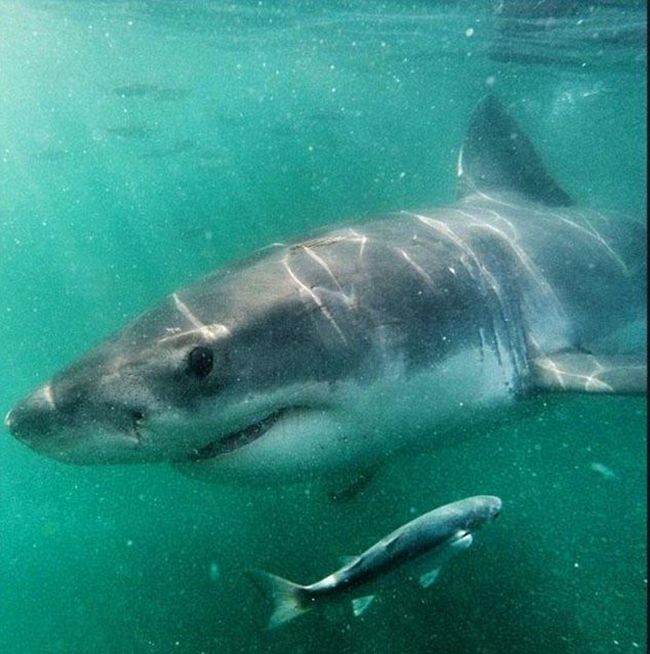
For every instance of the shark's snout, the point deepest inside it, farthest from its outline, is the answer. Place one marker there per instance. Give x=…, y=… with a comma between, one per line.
x=33, y=417
x=66, y=429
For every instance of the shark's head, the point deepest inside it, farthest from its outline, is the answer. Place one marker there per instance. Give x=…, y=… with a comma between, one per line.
x=176, y=386
x=119, y=404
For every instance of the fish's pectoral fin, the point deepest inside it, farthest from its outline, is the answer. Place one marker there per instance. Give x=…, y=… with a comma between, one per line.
x=429, y=578
x=496, y=155
x=361, y=604
x=459, y=542
x=462, y=541
x=342, y=491
x=581, y=372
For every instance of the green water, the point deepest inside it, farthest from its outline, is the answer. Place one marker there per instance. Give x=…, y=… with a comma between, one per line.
x=262, y=120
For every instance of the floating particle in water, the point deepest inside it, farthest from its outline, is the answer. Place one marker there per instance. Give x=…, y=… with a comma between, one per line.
x=603, y=470
x=214, y=571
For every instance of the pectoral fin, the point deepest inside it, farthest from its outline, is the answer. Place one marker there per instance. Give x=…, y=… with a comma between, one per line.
x=360, y=604
x=621, y=374
x=456, y=544
x=349, y=488
x=429, y=578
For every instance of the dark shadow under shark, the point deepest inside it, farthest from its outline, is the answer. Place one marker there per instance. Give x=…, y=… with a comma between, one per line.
x=330, y=354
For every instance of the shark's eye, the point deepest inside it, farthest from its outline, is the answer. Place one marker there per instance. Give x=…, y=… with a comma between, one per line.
x=200, y=361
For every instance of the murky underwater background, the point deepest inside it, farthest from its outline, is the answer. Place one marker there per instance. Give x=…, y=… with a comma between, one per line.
x=143, y=144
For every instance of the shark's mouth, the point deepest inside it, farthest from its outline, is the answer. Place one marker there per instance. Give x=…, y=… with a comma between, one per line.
x=238, y=439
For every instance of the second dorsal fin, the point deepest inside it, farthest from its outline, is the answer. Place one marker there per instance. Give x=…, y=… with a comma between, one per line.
x=498, y=156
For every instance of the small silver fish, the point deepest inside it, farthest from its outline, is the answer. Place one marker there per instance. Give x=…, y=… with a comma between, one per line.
x=135, y=90
x=426, y=543
x=134, y=132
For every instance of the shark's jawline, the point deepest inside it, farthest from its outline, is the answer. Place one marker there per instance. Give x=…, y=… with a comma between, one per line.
x=237, y=439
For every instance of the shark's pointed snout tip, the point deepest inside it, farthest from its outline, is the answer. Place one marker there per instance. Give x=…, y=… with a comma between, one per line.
x=15, y=421
x=32, y=415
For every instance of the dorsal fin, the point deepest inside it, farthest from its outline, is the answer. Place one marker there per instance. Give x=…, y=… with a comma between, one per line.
x=497, y=156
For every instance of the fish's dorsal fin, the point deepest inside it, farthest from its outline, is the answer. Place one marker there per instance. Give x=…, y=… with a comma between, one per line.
x=391, y=542
x=496, y=155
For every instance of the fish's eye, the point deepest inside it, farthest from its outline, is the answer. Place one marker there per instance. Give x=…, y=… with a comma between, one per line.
x=200, y=361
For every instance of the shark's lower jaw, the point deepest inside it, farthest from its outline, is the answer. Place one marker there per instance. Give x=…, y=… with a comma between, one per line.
x=238, y=439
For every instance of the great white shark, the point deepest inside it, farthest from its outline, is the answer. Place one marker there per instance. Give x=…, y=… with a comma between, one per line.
x=330, y=354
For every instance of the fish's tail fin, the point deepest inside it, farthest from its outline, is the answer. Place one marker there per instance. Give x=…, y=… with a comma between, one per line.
x=289, y=599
